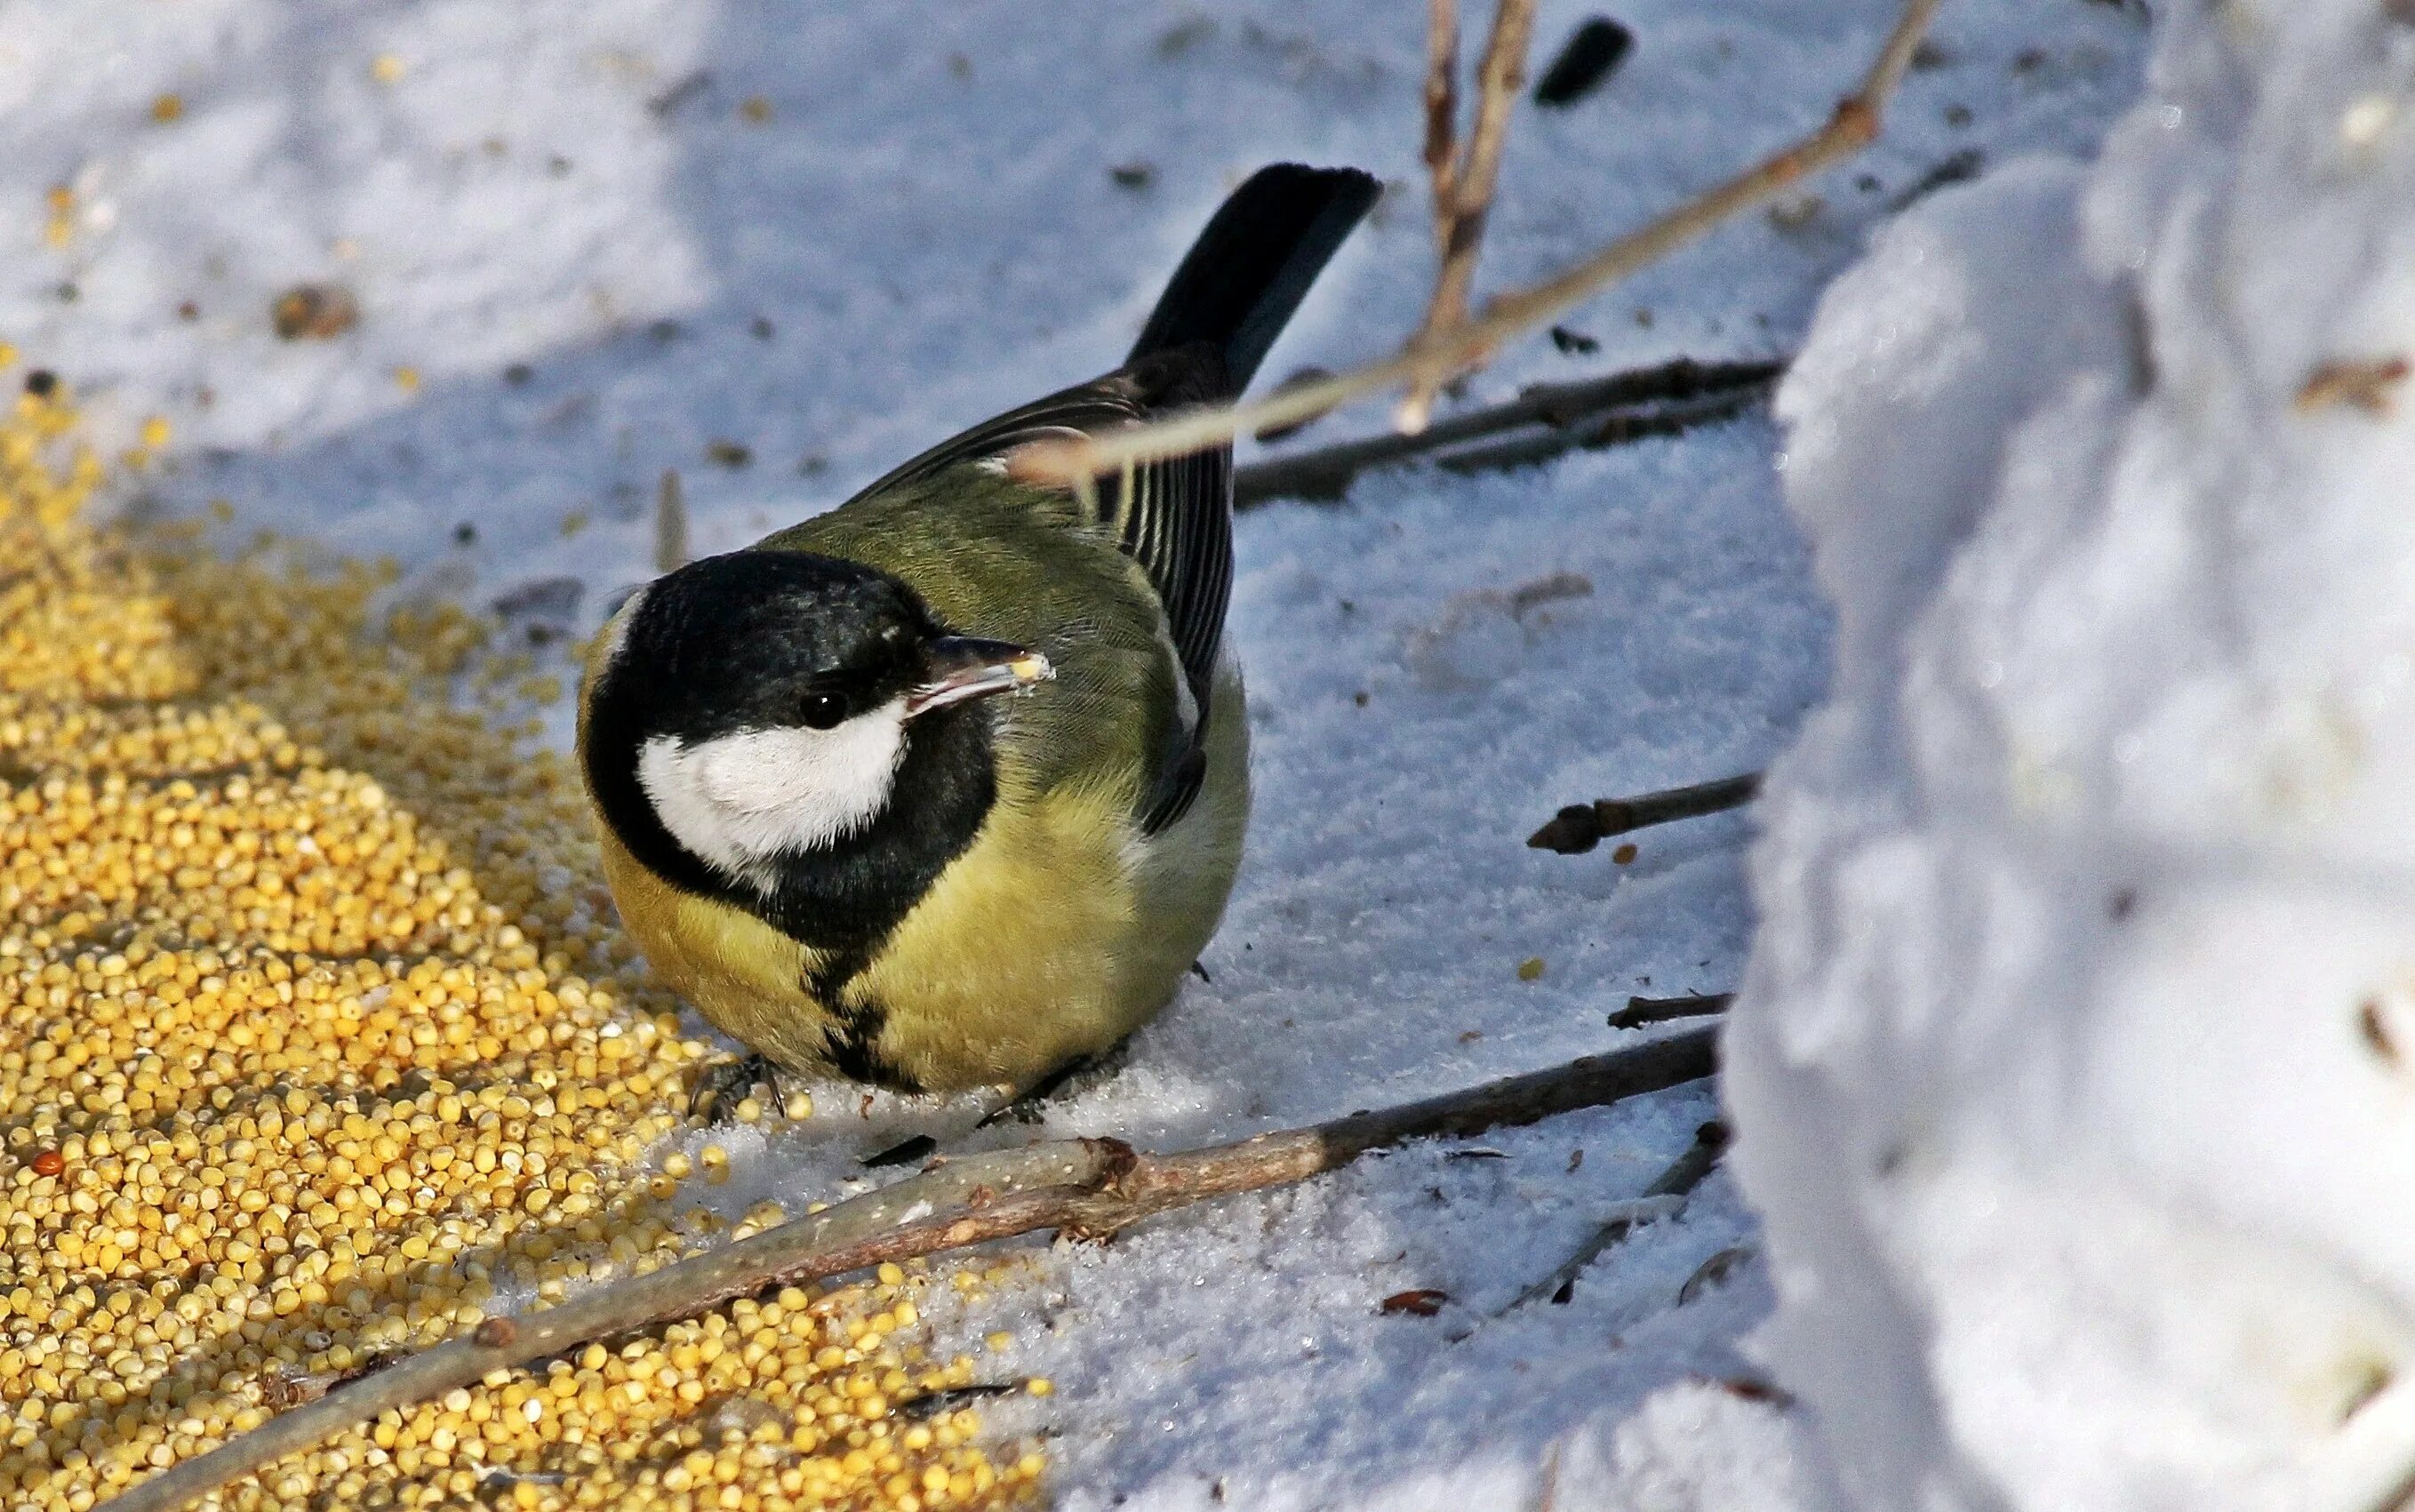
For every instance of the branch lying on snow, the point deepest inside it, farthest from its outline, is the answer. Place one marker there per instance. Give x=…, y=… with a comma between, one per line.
x=1664, y=1198
x=1555, y=418
x=1579, y=827
x=1640, y=1011
x=1851, y=126
x=1616, y=429
x=1085, y=1187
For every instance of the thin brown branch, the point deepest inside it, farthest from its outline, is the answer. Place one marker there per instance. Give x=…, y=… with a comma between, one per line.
x=1579, y=827
x=2368, y=383
x=1558, y=417
x=1619, y=428
x=1640, y=1011
x=1459, y=216
x=1499, y=79
x=1091, y=1186
x=1441, y=107
x=1662, y=1199
x=1849, y=128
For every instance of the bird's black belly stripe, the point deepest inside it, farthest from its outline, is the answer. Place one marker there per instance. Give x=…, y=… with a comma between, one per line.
x=851, y=1050
x=852, y=1044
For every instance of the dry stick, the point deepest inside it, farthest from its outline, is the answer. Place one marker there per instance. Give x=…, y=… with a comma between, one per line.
x=1566, y=413
x=1442, y=103
x=1700, y=1157
x=1085, y=1187
x=1324, y=477
x=670, y=524
x=1579, y=827
x=1500, y=75
x=1640, y=1011
x=1850, y=126
x=1619, y=428
x=1464, y=191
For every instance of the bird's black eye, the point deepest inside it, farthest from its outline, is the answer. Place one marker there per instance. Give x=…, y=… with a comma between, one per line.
x=823, y=710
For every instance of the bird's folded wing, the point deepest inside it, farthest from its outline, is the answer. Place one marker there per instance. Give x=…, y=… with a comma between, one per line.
x=1173, y=517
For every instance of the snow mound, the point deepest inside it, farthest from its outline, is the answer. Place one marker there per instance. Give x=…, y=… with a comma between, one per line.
x=2076, y=1066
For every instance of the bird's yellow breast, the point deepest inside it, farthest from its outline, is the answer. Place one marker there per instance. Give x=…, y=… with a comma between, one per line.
x=1018, y=959
x=1057, y=932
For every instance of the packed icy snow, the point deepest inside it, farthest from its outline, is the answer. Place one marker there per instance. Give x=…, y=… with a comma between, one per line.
x=777, y=247
x=2071, y=1070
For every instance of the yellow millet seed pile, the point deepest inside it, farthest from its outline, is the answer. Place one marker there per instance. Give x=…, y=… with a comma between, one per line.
x=316, y=1043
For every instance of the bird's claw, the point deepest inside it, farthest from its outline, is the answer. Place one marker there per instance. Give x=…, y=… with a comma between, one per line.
x=720, y=1088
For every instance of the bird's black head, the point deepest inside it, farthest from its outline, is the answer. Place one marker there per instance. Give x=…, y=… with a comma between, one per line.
x=795, y=733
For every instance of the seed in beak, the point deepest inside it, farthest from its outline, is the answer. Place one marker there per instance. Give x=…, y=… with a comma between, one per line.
x=963, y=668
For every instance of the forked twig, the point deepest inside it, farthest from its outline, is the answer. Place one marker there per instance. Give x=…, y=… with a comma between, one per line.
x=1850, y=126
x=1442, y=102
x=1084, y=1187
x=1463, y=183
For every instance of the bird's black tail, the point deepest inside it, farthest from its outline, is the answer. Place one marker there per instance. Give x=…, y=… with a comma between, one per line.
x=1253, y=264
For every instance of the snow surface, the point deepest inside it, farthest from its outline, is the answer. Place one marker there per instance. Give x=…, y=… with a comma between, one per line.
x=2071, y=1069
x=925, y=230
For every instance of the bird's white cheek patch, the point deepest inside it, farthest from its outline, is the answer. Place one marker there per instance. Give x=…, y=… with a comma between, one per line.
x=737, y=800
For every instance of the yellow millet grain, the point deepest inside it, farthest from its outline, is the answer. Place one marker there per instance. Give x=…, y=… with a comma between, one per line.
x=315, y=1038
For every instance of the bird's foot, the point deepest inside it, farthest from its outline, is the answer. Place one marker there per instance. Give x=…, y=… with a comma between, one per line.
x=720, y=1088
x=905, y=1152
x=1026, y=1107
x=1028, y=1104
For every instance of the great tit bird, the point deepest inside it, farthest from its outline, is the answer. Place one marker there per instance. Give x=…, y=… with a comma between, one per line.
x=822, y=824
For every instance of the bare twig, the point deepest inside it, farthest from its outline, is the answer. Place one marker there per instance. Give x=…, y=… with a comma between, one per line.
x=1579, y=827
x=1463, y=188
x=1664, y=1198
x=1442, y=102
x=2366, y=384
x=1850, y=126
x=1640, y=1011
x=1956, y=168
x=1617, y=429
x=670, y=524
x=1085, y=1187
x=1599, y=412
x=947, y=1398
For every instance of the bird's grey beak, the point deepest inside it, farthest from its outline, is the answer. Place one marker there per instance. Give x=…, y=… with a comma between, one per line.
x=963, y=668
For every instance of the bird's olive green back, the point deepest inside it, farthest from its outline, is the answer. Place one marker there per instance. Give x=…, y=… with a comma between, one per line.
x=995, y=558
